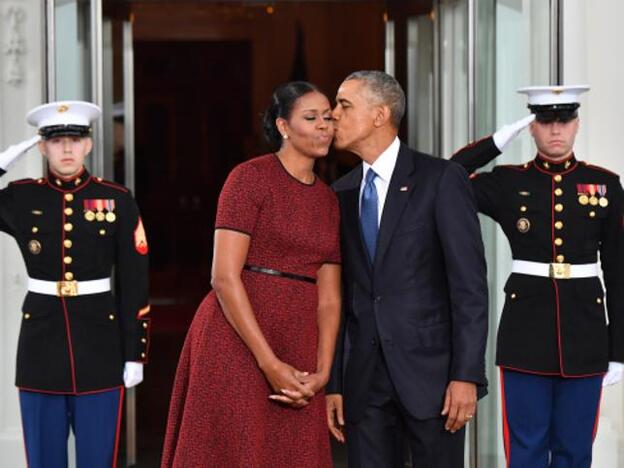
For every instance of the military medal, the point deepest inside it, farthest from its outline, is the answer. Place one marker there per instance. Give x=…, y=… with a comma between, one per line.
x=602, y=191
x=110, y=208
x=110, y=217
x=100, y=216
x=34, y=246
x=583, y=199
x=593, y=199
x=523, y=225
x=89, y=215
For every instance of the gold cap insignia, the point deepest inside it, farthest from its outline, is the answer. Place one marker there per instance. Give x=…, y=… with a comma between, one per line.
x=63, y=108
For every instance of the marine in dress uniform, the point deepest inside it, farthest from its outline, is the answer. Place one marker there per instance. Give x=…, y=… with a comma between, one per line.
x=554, y=341
x=79, y=343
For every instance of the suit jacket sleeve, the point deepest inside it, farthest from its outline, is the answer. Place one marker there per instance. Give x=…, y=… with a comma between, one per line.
x=460, y=236
x=132, y=282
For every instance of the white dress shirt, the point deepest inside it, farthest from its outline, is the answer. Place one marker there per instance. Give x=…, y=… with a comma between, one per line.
x=383, y=167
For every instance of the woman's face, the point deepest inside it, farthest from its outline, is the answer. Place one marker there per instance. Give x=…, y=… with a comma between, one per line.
x=310, y=128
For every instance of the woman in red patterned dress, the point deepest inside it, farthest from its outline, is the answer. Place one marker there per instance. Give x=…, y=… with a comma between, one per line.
x=249, y=385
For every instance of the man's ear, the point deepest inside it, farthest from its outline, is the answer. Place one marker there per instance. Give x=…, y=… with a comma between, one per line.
x=42, y=147
x=382, y=116
x=89, y=146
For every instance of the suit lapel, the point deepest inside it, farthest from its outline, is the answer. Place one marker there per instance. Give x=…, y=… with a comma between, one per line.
x=399, y=190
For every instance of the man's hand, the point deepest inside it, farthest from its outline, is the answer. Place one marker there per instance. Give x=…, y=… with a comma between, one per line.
x=507, y=133
x=335, y=416
x=460, y=404
x=15, y=151
x=133, y=374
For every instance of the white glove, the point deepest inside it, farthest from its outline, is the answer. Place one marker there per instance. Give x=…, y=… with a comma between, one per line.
x=15, y=151
x=614, y=374
x=506, y=133
x=133, y=374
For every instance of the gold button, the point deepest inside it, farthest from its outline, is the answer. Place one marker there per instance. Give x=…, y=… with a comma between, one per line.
x=592, y=214
x=560, y=258
x=58, y=182
x=69, y=211
x=513, y=295
x=67, y=243
x=558, y=207
x=26, y=316
x=143, y=340
x=67, y=260
x=599, y=300
x=77, y=181
x=546, y=165
x=102, y=232
x=35, y=229
x=144, y=324
x=523, y=208
x=69, y=196
x=69, y=276
x=559, y=225
x=558, y=242
x=68, y=227
x=558, y=178
x=111, y=317
x=143, y=355
x=558, y=192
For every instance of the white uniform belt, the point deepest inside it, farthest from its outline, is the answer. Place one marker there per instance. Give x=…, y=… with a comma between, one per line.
x=555, y=270
x=69, y=288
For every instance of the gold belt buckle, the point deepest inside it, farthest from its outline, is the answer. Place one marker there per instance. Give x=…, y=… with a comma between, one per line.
x=67, y=288
x=559, y=270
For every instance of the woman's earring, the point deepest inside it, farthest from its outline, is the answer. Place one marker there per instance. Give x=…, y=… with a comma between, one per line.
x=285, y=137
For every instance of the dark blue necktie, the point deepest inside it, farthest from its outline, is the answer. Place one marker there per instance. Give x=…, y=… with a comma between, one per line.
x=368, y=214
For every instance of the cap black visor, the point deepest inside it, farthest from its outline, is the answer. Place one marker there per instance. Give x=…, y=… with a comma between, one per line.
x=54, y=131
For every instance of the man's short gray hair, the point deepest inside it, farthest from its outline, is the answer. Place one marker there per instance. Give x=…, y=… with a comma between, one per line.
x=385, y=89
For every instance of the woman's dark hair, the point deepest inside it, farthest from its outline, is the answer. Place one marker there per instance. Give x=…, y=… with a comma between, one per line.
x=282, y=103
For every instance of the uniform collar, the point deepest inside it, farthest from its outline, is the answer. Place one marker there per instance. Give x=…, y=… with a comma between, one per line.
x=70, y=185
x=546, y=165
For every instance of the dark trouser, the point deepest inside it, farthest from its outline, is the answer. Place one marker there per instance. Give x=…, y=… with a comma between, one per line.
x=377, y=440
x=549, y=421
x=94, y=418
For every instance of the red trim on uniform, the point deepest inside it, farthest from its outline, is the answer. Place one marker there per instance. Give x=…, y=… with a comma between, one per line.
x=559, y=341
x=505, y=421
x=121, y=188
x=552, y=218
x=597, y=417
x=550, y=173
x=598, y=168
x=23, y=182
x=52, y=392
x=471, y=145
x=551, y=374
x=119, y=412
x=69, y=344
x=516, y=167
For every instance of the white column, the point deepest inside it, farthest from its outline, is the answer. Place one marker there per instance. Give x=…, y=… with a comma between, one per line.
x=21, y=84
x=592, y=54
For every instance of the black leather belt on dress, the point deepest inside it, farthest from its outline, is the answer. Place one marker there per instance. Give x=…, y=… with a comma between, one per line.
x=269, y=271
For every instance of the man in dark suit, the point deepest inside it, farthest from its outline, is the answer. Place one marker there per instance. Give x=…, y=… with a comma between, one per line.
x=410, y=357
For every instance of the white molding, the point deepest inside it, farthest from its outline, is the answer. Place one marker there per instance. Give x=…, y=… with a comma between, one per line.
x=15, y=44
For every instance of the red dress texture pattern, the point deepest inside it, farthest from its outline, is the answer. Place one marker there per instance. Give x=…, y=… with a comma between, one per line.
x=220, y=414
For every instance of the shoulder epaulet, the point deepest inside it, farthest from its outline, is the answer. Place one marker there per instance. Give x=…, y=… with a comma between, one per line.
x=515, y=167
x=598, y=168
x=27, y=181
x=111, y=184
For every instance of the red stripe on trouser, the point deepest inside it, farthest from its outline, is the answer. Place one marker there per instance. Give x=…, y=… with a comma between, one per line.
x=597, y=416
x=119, y=414
x=505, y=421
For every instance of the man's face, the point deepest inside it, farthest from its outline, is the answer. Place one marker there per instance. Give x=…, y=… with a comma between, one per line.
x=555, y=140
x=354, y=115
x=66, y=154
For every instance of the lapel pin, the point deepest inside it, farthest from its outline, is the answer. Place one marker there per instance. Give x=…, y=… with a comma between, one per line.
x=404, y=188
